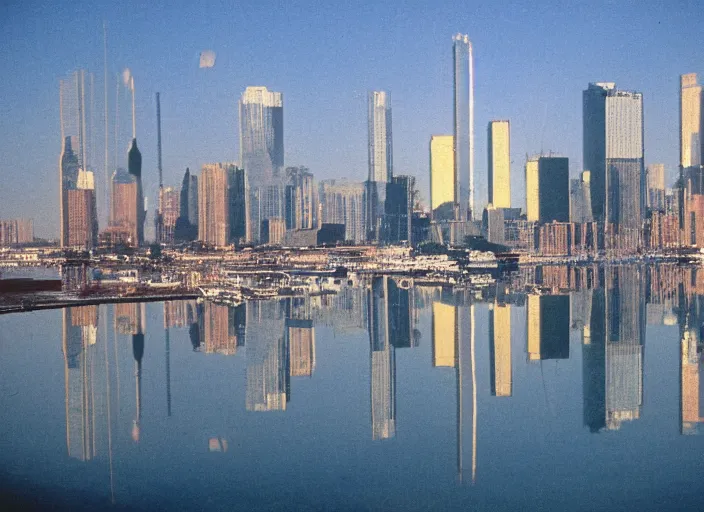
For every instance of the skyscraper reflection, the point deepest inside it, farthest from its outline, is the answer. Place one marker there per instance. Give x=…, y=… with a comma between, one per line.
x=500, y=350
x=382, y=361
x=267, y=357
x=79, y=339
x=625, y=330
x=548, y=326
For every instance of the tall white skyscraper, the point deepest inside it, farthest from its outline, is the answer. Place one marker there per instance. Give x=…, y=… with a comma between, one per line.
x=613, y=151
x=380, y=140
x=464, y=125
x=262, y=155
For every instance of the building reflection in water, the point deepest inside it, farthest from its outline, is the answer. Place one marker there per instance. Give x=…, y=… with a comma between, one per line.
x=81, y=372
x=500, y=349
x=268, y=382
x=382, y=358
x=608, y=307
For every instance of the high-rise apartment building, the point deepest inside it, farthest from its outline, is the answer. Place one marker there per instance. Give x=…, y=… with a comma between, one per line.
x=613, y=152
x=463, y=90
x=655, y=186
x=213, y=218
x=499, y=150
x=301, y=198
x=81, y=213
x=261, y=114
x=16, y=231
x=170, y=199
x=442, y=177
x=342, y=202
x=123, y=205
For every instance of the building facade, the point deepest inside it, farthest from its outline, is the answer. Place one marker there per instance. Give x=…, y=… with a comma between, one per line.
x=261, y=116
x=499, y=165
x=442, y=177
x=342, y=202
x=213, y=221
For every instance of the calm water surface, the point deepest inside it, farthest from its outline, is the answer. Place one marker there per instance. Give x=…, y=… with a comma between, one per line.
x=380, y=397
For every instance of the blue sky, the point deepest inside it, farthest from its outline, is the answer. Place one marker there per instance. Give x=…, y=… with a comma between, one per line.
x=532, y=60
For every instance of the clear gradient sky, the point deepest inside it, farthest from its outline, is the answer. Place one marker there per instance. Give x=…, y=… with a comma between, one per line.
x=532, y=61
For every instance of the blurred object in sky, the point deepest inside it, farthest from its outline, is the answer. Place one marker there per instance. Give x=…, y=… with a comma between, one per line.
x=207, y=59
x=126, y=76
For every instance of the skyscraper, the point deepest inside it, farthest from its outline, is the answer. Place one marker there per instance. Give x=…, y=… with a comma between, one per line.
x=123, y=205
x=655, y=185
x=170, y=201
x=342, y=202
x=499, y=150
x=261, y=114
x=75, y=93
x=380, y=143
x=532, y=190
x=134, y=167
x=464, y=125
x=547, y=189
x=187, y=223
x=237, y=202
x=301, y=198
x=442, y=177
x=690, y=122
x=398, y=210
x=580, y=198
x=213, y=221
x=380, y=159
x=613, y=152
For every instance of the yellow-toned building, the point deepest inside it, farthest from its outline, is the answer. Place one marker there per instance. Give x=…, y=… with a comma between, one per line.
x=533, y=327
x=499, y=150
x=444, y=334
x=532, y=190
x=301, y=346
x=442, y=171
x=690, y=121
x=689, y=401
x=501, y=381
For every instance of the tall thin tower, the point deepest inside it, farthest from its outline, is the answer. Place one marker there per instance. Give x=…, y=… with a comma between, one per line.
x=464, y=125
x=159, y=216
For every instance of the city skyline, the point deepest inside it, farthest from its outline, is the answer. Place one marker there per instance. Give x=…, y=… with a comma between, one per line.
x=211, y=131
